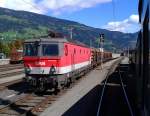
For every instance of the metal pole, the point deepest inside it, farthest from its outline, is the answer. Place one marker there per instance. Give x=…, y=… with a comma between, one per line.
x=102, y=54
x=71, y=32
x=90, y=43
x=101, y=48
x=128, y=51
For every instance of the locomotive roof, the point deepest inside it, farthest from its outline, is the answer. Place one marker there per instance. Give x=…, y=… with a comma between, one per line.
x=61, y=40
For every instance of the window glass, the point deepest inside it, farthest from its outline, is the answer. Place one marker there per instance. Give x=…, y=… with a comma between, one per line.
x=50, y=50
x=74, y=51
x=30, y=50
x=66, y=50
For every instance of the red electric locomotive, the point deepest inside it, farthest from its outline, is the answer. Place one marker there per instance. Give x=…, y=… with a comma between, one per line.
x=51, y=63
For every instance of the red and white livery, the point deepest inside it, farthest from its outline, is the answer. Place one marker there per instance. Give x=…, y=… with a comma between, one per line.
x=53, y=62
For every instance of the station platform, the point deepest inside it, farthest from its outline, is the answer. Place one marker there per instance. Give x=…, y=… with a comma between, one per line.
x=79, y=99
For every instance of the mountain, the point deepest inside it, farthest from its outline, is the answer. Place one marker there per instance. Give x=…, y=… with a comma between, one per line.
x=26, y=25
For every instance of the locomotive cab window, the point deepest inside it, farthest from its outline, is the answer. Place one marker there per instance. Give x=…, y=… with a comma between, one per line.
x=50, y=50
x=30, y=50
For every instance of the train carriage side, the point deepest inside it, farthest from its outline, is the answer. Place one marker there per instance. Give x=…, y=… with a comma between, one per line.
x=143, y=59
x=76, y=57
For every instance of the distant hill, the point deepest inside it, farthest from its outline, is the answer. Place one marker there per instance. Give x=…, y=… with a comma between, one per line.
x=26, y=25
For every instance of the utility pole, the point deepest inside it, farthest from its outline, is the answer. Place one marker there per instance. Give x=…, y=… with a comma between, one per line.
x=71, y=33
x=128, y=52
x=90, y=43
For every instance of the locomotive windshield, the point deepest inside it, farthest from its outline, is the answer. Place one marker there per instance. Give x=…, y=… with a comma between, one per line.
x=30, y=49
x=50, y=50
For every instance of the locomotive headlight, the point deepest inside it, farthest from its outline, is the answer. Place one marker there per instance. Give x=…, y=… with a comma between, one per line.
x=52, y=70
x=27, y=70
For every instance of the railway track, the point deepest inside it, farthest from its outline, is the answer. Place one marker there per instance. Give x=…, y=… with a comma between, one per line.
x=33, y=103
x=5, y=85
x=10, y=67
x=10, y=74
x=113, y=92
x=10, y=77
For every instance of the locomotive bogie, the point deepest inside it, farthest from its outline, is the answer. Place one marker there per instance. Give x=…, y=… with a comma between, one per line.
x=45, y=82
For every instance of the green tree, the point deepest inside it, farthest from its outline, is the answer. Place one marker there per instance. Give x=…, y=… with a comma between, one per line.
x=6, y=49
x=1, y=46
x=18, y=44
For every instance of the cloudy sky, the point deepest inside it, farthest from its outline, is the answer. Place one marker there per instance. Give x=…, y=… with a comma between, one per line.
x=115, y=15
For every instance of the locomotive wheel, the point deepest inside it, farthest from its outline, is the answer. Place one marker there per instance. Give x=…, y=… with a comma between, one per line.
x=68, y=82
x=42, y=86
x=56, y=88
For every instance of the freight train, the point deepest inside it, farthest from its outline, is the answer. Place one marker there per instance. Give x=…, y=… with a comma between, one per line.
x=54, y=62
x=16, y=56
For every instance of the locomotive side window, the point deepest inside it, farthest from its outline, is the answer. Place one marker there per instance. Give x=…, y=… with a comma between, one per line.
x=50, y=50
x=30, y=50
x=66, y=50
x=74, y=51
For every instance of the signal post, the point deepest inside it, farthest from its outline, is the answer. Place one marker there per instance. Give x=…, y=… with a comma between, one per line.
x=101, y=49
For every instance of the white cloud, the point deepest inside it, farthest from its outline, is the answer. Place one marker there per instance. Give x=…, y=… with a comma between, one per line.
x=2, y=2
x=55, y=6
x=59, y=6
x=134, y=18
x=26, y=5
x=128, y=25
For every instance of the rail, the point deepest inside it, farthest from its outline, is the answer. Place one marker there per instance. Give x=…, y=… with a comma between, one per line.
x=110, y=71
x=125, y=94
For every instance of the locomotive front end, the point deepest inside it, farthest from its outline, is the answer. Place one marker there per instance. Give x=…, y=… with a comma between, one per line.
x=41, y=63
